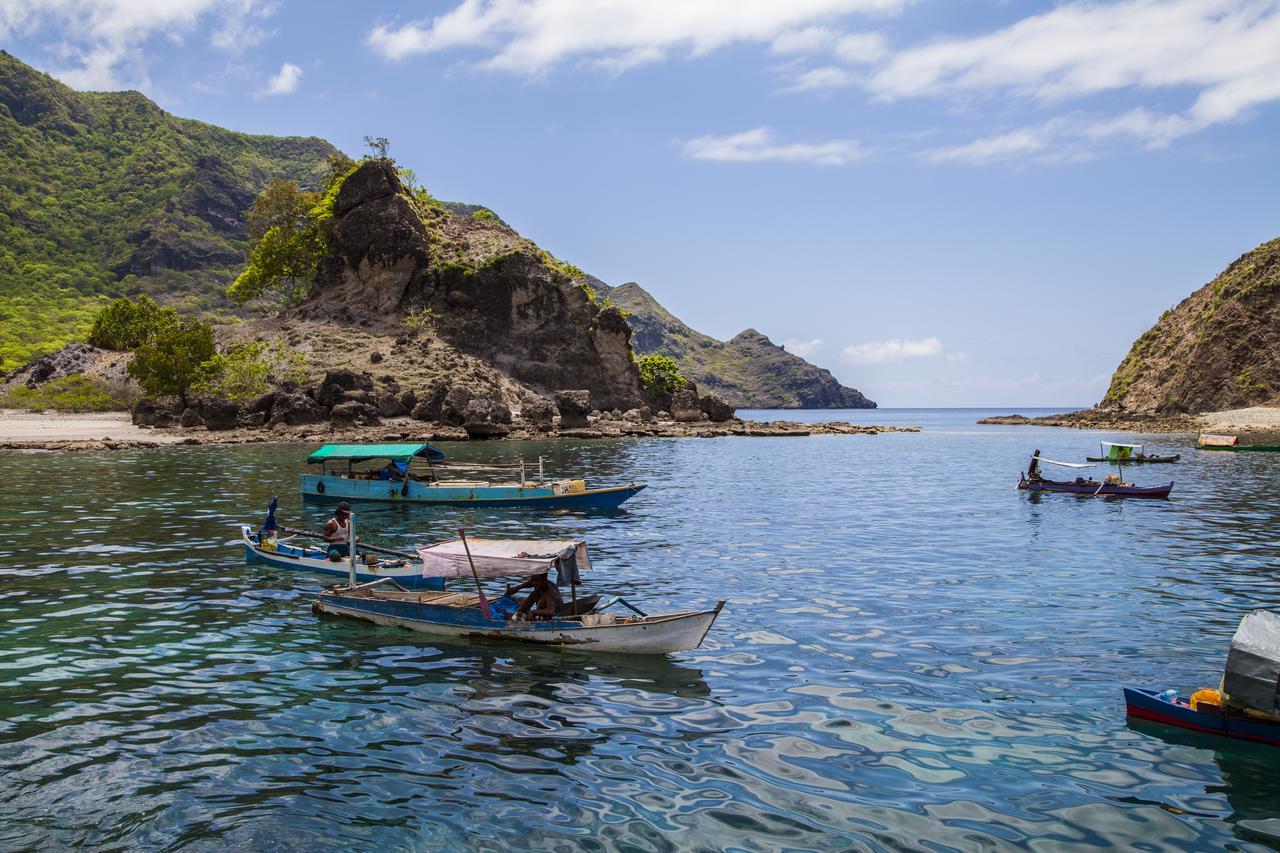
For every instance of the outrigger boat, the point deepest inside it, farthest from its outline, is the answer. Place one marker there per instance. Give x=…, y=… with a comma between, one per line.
x=397, y=481
x=1112, y=486
x=1123, y=454
x=1232, y=442
x=262, y=547
x=468, y=616
x=1247, y=705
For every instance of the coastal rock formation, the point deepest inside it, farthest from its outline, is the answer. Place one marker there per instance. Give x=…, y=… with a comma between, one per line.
x=574, y=406
x=1217, y=349
x=71, y=360
x=748, y=371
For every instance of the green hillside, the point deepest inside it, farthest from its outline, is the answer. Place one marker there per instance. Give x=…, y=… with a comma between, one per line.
x=104, y=193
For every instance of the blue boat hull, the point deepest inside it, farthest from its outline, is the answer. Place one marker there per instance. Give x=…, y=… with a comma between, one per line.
x=312, y=560
x=316, y=487
x=1147, y=705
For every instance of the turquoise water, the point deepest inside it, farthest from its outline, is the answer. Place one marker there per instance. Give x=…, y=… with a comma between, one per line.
x=913, y=655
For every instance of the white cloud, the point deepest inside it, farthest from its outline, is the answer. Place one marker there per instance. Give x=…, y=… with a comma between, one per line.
x=880, y=352
x=1000, y=146
x=825, y=77
x=758, y=144
x=1226, y=51
x=811, y=348
x=285, y=81
x=531, y=36
x=859, y=48
x=104, y=39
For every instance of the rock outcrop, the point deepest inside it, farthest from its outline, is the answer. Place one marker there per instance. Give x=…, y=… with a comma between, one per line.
x=1217, y=349
x=490, y=294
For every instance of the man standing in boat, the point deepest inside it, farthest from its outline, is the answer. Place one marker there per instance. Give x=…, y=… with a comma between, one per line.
x=337, y=531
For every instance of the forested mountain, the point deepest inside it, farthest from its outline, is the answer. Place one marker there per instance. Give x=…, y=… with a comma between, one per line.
x=104, y=193
x=748, y=370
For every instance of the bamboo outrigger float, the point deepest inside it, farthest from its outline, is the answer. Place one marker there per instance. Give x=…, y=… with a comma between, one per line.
x=467, y=616
x=398, y=482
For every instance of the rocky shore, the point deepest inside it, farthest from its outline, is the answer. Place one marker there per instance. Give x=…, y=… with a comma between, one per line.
x=401, y=429
x=1104, y=419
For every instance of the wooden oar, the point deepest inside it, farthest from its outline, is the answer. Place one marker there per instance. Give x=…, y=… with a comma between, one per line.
x=360, y=545
x=484, y=603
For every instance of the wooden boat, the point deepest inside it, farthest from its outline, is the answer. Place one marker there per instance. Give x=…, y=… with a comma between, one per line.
x=302, y=558
x=1112, y=486
x=1232, y=442
x=397, y=482
x=1123, y=454
x=1143, y=704
x=471, y=616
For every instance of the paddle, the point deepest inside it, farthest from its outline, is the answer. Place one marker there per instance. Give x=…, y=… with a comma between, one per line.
x=484, y=604
x=363, y=547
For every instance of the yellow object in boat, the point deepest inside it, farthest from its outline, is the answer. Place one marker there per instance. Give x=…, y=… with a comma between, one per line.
x=1205, y=696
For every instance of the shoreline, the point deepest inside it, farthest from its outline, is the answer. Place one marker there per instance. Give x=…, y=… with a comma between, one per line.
x=1254, y=422
x=25, y=430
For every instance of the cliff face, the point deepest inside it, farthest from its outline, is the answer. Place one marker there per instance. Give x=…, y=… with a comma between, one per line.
x=1218, y=349
x=749, y=371
x=490, y=293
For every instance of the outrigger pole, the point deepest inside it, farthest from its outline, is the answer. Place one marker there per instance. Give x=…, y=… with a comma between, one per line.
x=351, y=547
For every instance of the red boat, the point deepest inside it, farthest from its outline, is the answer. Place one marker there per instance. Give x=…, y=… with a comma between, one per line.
x=1112, y=486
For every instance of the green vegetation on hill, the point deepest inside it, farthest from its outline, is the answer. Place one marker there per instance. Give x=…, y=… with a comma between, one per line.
x=1217, y=349
x=748, y=371
x=104, y=194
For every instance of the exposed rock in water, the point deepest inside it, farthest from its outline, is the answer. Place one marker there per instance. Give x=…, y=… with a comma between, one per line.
x=1218, y=349
x=715, y=407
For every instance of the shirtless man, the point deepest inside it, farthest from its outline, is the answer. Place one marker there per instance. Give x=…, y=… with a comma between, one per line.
x=543, y=603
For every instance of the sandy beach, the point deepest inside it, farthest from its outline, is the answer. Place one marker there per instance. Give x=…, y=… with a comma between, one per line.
x=36, y=427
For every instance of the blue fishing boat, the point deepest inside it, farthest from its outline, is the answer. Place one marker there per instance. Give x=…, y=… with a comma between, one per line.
x=403, y=479
x=1159, y=707
x=1247, y=707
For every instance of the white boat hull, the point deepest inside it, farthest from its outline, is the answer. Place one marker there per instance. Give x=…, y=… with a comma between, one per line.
x=628, y=635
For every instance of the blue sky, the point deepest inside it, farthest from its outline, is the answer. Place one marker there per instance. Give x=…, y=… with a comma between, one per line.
x=945, y=202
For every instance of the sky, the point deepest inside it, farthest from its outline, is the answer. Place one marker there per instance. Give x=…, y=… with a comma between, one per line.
x=944, y=202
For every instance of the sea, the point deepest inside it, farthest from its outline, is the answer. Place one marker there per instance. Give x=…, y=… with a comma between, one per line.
x=914, y=655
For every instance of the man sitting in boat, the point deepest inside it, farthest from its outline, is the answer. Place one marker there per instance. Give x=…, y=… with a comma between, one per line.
x=336, y=532
x=543, y=603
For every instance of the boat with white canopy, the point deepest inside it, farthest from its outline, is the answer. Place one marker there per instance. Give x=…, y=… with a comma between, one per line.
x=1124, y=454
x=1113, y=485
x=468, y=614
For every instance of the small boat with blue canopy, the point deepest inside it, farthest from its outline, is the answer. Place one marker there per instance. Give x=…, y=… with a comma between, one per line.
x=395, y=473
x=1125, y=454
x=1246, y=704
x=471, y=615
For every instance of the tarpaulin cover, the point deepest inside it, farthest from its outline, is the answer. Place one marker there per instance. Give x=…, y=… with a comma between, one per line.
x=364, y=452
x=1252, y=676
x=502, y=558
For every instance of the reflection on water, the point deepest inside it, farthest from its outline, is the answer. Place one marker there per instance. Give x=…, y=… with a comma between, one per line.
x=913, y=655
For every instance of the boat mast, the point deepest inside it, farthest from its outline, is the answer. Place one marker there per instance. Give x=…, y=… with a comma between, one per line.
x=351, y=546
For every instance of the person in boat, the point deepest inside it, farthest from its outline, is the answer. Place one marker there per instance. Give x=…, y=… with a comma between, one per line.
x=543, y=603
x=337, y=531
x=392, y=472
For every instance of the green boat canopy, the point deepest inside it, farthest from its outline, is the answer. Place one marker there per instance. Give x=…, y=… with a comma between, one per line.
x=362, y=452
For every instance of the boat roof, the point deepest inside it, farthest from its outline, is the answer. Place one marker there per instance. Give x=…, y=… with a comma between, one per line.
x=1066, y=464
x=1119, y=444
x=500, y=558
x=357, y=452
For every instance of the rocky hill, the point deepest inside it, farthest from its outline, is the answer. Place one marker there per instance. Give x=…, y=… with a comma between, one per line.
x=104, y=193
x=1217, y=349
x=749, y=370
